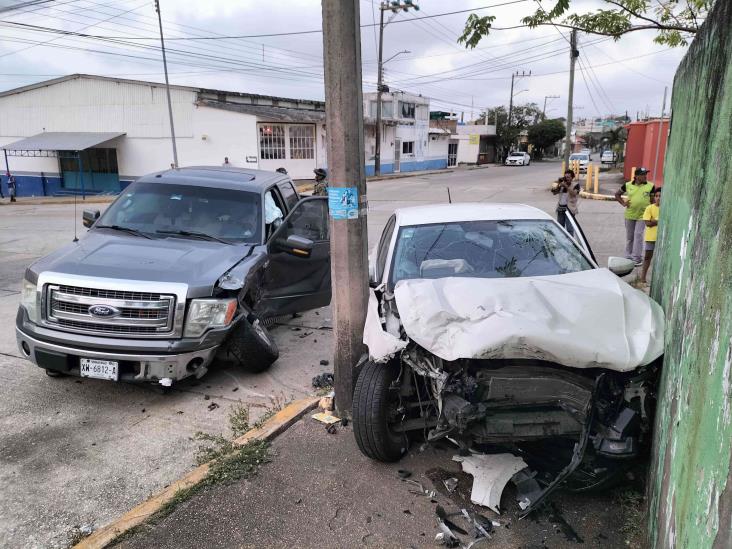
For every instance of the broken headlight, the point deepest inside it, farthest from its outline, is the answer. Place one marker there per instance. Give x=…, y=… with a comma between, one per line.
x=208, y=313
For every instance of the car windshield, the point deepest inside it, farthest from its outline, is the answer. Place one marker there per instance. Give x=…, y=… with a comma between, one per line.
x=520, y=154
x=578, y=157
x=485, y=249
x=162, y=210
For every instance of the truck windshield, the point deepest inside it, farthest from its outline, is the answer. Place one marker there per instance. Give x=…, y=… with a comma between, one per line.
x=161, y=209
x=485, y=249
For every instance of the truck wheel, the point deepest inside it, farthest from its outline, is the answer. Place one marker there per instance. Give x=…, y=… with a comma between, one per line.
x=251, y=346
x=373, y=413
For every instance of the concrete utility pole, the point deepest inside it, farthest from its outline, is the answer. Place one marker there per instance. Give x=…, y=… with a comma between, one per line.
x=510, y=103
x=348, y=236
x=394, y=7
x=573, y=55
x=543, y=112
x=167, y=85
x=660, y=130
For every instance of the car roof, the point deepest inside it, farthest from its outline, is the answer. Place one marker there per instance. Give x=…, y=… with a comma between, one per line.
x=466, y=211
x=219, y=177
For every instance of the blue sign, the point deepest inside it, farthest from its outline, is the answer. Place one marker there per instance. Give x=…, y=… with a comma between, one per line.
x=343, y=202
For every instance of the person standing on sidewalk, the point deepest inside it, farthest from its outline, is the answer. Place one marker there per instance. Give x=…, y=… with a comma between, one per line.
x=568, y=191
x=11, y=187
x=650, y=218
x=639, y=192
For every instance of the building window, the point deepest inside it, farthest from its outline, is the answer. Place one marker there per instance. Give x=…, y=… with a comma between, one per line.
x=407, y=147
x=302, y=142
x=272, y=142
x=406, y=110
x=387, y=109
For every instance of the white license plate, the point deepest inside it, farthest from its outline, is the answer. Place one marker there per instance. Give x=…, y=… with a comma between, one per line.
x=99, y=369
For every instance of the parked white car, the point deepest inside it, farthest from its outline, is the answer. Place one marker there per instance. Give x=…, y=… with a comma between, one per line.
x=518, y=158
x=582, y=158
x=490, y=324
x=608, y=157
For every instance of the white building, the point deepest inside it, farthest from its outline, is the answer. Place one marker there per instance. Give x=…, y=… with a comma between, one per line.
x=407, y=141
x=476, y=143
x=101, y=133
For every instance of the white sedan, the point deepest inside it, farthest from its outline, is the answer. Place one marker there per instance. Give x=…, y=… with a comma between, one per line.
x=518, y=158
x=490, y=324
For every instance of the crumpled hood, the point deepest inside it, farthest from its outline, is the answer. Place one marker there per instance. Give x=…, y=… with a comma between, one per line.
x=102, y=254
x=586, y=319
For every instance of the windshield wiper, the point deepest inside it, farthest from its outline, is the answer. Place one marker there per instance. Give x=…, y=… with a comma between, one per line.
x=195, y=234
x=129, y=230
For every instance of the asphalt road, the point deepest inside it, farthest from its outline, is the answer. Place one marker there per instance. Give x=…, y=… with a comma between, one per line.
x=81, y=452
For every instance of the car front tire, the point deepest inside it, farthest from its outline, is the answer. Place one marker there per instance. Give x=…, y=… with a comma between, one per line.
x=373, y=403
x=251, y=347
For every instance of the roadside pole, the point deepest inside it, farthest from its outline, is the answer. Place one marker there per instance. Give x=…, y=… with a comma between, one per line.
x=379, y=89
x=660, y=129
x=573, y=54
x=348, y=236
x=167, y=85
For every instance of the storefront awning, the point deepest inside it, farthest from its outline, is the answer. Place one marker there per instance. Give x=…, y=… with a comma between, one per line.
x=61, y=141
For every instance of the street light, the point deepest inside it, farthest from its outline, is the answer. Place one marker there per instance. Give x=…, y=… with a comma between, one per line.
x=393, y=56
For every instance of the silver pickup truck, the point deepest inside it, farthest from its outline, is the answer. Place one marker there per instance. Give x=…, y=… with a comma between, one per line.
x=183, y=268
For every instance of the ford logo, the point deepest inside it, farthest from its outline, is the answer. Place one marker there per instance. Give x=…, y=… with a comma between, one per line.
x=103, y=311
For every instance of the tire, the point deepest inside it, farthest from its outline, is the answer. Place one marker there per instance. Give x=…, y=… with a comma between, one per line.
x=371, y=406
x=54, y=373
x=251, y=347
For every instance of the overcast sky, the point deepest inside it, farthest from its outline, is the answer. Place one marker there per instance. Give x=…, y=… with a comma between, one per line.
x=628, y=75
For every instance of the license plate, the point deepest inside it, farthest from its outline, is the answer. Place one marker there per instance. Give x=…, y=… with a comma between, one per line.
x=99, y=369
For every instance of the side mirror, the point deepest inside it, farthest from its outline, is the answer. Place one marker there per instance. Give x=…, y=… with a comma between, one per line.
x=89, y=217
x=620, y=265
x=297, y=245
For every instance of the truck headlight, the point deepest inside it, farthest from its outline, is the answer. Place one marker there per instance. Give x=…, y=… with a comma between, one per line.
x=29, y=300
x=208, y=313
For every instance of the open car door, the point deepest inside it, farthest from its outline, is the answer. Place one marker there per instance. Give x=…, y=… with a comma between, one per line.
x=297, y=276
x=579, y=236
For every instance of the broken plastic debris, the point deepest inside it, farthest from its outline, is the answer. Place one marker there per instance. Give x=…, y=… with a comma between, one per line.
x=422, y=491
x=166, y=382
x=482, y=525
x=491, y=473
x=326, y=403
x=527, y=488
x=403, y=473
x=442, y=515
x=212, y=406
x=451, y=484
x=326, y=417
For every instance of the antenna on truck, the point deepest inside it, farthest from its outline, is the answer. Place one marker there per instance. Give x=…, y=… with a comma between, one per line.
x=449, y=198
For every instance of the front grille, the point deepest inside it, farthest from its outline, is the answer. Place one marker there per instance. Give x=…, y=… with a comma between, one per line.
x=141, y=314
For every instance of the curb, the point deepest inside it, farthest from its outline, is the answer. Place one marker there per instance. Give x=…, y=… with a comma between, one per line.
x=402, y=175
x=31, y=201
x=274, y=426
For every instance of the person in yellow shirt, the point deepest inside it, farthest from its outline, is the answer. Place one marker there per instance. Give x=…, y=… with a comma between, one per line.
x=650, y=216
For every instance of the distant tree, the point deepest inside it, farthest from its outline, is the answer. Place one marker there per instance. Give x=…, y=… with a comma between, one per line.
x=675, y=21
x=545, y=134
x=522, y=117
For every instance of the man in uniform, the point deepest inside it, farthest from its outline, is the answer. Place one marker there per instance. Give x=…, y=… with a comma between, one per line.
x=638, y=197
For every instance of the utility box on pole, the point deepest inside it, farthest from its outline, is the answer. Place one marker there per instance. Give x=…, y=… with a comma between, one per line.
x=346, y=190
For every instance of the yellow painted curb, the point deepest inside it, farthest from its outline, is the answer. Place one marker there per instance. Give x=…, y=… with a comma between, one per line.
x=275, y=425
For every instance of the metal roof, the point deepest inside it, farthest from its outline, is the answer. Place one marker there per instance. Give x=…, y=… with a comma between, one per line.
x=61, y=141
x=267, y=113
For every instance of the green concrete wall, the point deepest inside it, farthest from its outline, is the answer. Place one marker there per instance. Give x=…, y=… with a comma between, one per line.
x=691, y=479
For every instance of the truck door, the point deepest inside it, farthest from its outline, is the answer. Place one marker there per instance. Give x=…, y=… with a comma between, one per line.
x=579, y=236
x=297, y=275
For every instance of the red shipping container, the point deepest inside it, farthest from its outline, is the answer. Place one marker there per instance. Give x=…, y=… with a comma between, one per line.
x=640, y=149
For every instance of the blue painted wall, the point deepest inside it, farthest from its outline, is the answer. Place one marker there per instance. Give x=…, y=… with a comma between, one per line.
x=50, y=185
x=417, y=165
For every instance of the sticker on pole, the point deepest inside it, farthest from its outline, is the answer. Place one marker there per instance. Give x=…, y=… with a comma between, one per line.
x=343, y=202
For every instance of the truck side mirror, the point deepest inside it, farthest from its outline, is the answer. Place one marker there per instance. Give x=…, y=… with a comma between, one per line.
x=297, y=245
x=89, y=217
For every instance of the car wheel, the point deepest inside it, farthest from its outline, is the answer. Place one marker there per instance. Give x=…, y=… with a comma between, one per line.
x=374, y=407
x=528, y=163
x=251, y=346
x=55, y=373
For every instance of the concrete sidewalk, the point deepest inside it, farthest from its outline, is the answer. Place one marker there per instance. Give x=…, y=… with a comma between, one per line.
x=319, y=491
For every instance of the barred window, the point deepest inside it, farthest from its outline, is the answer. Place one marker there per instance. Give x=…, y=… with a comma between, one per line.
x=302, y=142
x=272, y=142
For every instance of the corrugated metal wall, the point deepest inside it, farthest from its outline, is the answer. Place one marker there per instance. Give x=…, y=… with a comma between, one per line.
x=691, y=481
x=96, y=105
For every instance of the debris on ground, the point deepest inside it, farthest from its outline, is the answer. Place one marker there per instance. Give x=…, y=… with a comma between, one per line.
x=323, y=381
x=491, y=473
x=443, y=516
x=327, y=402
x=330, y=428
x=403, y=473
x=527, y=487
x=212, y=406
x=324, y=362
x=451, y=483
x=326, y=417
x=422, y=491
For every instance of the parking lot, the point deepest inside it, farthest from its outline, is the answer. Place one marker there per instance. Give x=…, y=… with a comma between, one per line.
x=80, y=452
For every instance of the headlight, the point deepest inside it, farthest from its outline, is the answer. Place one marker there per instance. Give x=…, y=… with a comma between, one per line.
x=29, y=300
x=208, y=313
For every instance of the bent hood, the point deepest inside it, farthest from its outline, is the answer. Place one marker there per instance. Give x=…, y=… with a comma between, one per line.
x=197, y=263
x=588, y=319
